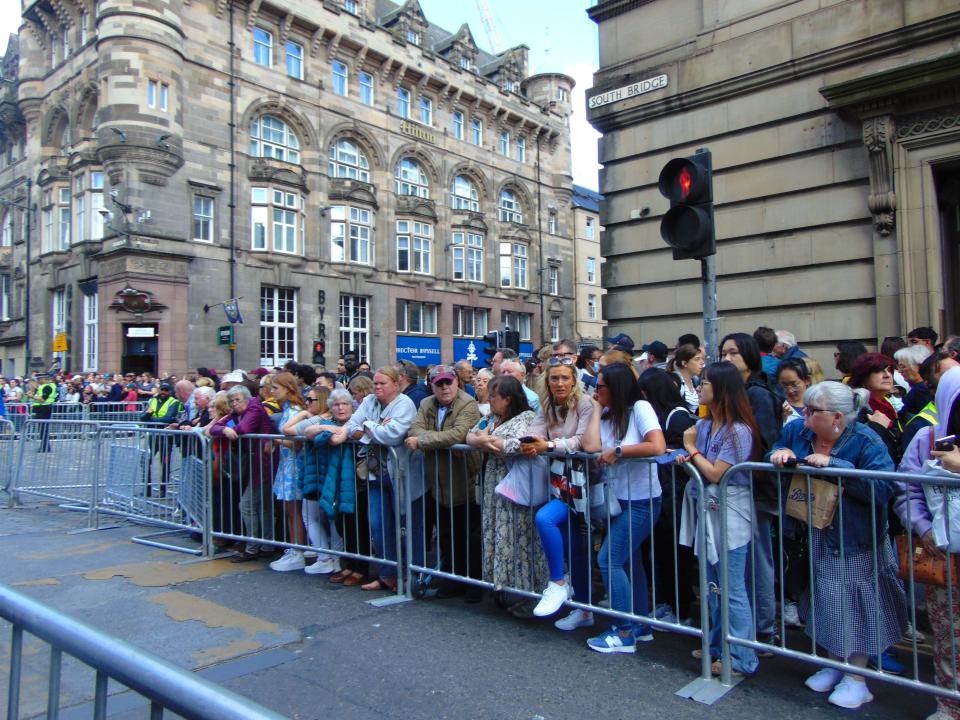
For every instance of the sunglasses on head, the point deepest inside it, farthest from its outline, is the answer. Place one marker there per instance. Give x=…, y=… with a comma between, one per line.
x=555, y=360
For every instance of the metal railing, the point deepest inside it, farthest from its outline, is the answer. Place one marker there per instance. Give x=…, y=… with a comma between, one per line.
x=20, y=413
x=164, y=685
x=823, y=555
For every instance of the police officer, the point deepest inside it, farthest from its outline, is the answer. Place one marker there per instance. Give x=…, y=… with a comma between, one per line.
x=43, y=399
x=162, y=410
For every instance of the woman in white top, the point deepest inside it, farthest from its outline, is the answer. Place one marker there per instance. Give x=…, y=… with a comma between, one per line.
x=687, y=364
x=628, y=429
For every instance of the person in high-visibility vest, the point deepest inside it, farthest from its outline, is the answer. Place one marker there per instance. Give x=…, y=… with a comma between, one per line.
x=43, y=399
x=162, y=410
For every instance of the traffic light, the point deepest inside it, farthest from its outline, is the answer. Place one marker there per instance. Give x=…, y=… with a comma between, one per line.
x=491, y=341
x=511, y=339
x=688, y=225
x=319, y=350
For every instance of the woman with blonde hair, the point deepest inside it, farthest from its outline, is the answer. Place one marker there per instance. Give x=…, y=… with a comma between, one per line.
x=285, y=392
x=611, y=357
x=359, y=388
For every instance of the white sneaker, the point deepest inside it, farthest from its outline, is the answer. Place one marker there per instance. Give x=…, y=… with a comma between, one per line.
x=554, y=596
x=290, y=560
x=825, y=680
x=576, y=619
x=791, y=617
x=910, y=634
x=850, y=693
x=322, y=567
x=309, y=554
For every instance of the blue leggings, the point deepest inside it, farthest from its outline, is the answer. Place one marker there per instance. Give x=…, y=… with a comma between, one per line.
x=561, y=532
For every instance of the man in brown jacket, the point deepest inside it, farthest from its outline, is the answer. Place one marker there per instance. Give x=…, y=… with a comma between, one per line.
x=451, y=476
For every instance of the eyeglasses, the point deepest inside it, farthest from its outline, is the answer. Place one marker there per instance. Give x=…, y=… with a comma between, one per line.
x=792, y=385
x=808, y=411
x=601, y=385
x=558, y=360
x=562, y=355
x=442, y=383
x=237, y=401
x=312, y=399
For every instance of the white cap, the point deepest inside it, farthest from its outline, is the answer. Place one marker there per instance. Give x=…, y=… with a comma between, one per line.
x=233, y=377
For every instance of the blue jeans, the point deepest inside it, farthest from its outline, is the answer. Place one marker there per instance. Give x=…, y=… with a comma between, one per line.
x=760, y=561
x=741, y=617
x=561, y=529
x=383, y=525
x=621, y=557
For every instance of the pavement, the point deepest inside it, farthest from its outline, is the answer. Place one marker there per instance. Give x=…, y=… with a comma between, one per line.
x=312, y=650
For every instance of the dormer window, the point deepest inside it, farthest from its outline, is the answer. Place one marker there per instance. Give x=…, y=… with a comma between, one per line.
x=413, y=37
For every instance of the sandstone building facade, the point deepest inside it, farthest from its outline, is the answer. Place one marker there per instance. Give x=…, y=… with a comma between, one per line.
x=835, y=133
x=350, y=171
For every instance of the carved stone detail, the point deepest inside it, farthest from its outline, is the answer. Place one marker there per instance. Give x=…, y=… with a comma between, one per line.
x=944, y=119
x=878, y=134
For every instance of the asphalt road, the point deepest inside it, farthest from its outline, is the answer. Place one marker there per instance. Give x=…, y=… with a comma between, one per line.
x=309, y=649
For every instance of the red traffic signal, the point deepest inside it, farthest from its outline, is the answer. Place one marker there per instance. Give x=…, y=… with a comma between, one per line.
x=319, y=350
x=688, y=226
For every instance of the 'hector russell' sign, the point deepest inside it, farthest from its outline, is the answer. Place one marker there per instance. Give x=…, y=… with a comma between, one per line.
x=628, y=91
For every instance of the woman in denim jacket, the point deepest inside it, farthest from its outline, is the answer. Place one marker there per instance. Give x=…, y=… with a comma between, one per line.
x=843, y=613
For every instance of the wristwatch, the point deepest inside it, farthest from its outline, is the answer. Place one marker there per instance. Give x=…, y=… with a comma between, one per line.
x=551, y=446
x=618, y=451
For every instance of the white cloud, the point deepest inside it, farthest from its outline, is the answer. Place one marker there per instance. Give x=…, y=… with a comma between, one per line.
x=583, y=137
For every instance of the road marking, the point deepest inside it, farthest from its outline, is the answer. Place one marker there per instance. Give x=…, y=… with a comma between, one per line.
x=164, y=574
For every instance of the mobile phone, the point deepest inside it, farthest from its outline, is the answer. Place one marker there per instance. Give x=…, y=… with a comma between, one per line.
x=945, y=444
x=527, y=439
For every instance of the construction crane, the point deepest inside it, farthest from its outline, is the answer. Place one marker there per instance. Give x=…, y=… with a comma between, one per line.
x=490, y=26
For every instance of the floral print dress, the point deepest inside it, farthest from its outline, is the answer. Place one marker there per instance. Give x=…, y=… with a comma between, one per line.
x=512, y=554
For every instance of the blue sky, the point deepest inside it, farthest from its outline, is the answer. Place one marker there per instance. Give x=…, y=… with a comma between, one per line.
x=559, y=34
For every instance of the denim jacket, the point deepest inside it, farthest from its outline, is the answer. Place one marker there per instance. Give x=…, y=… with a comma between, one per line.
x=859, y=448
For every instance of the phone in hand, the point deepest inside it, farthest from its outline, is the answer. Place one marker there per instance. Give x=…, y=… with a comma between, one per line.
x=945, y=444
x=527, y=439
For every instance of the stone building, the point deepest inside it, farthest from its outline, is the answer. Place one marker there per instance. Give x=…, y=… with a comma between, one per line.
x=586, y=233
x=835, y=133
x=350, y=171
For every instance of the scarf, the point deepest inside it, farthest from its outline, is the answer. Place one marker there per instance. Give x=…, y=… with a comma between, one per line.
x=883, y=405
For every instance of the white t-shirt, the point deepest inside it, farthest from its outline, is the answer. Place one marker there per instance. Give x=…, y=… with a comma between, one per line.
x=632, y=479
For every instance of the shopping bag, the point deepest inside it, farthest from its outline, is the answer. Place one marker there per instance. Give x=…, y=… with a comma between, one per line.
x=526, y=481
x=822, y=498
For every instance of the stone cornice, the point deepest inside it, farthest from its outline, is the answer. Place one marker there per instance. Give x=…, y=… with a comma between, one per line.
x=612, y=8
x=610, y=117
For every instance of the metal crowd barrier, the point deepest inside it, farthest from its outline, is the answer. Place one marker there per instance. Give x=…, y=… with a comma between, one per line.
x=478, y=538
x=8, y=449
x=881, y=553
x=154, y=476
x=20, y=414
x=164, y=685
x=245, y=509
x=56, y=459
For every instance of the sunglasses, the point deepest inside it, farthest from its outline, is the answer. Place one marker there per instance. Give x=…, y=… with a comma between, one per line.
x=557, y=360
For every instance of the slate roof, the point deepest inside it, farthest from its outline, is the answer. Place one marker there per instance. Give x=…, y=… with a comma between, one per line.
x=586, y=198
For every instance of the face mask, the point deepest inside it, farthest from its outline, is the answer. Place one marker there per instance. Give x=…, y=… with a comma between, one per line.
x=596, y=366
x=896, y=402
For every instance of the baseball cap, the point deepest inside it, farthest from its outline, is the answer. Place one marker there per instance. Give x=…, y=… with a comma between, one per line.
x=259, y=372
x=622, y=341
x=442, y=372
x=657, y=349
x=166, y=386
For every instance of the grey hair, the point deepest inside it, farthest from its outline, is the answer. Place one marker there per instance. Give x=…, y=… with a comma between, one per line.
x=565, y=344
x=837, y=397
x=240, y=390
x=409, y=370
x=485, y=373
x=207, y=392
x=510, y=364
x=339, y=394
x=785, y=337
x=912, y=355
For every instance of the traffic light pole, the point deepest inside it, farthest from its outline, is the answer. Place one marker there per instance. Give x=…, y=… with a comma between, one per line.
x=711, y=333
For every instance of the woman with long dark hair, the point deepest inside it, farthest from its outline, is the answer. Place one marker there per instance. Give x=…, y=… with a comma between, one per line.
x=628, y=429
x=726, y=437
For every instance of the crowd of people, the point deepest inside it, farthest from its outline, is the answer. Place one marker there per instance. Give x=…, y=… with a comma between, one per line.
x=308, y=459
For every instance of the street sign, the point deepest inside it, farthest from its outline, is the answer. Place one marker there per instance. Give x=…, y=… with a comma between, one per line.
x=225, y=335
x=60, y=342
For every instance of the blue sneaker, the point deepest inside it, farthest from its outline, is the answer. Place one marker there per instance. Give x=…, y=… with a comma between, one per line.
x=888, y=663
x=642, y=633
x=613, y=642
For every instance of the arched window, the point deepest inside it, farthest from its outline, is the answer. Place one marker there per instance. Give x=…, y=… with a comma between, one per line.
x=347, y=160
x=463, y=194
x=271, y=138
x=509, y=208
x=411, y=179
x=6, y=240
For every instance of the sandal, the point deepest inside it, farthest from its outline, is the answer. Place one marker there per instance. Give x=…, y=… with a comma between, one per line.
x=353, y=579
x=380, y=584
x=340, y=576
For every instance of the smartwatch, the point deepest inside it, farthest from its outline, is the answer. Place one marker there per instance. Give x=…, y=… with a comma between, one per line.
x=618, y=451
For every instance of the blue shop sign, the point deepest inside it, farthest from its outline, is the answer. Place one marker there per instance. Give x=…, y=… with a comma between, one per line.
x=470, y=349
x=526, y=351
x=420, y=350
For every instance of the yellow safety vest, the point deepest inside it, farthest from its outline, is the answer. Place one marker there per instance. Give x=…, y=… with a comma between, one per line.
x=50, y=399
x=159, y=410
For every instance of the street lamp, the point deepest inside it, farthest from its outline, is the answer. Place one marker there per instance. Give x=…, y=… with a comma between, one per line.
x=28, y=208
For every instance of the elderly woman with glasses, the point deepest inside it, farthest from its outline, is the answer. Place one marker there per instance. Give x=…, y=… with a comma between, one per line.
x=250, y=466
x=855, y=607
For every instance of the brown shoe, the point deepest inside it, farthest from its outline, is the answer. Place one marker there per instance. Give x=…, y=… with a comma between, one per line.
x=339, y=577
x=353, y=580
